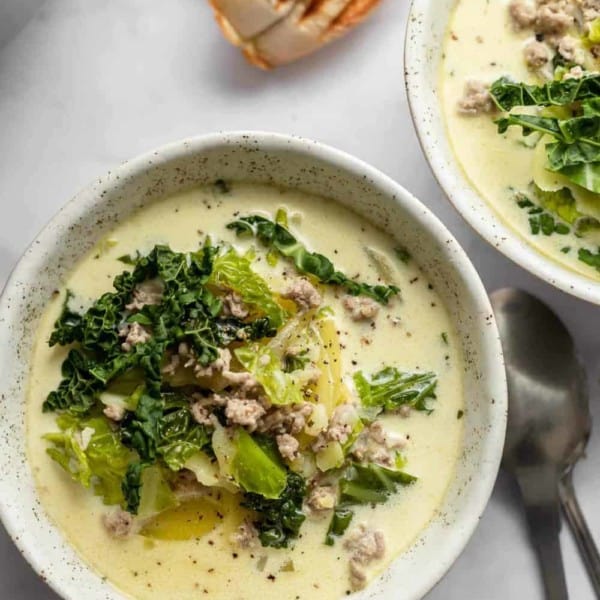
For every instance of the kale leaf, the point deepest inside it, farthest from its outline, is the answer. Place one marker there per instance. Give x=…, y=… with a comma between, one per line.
x=68, y=327
x=132, y=486
x=389, y=389
x=163, y=427
x=340, y=521
x=84, y=377
x=363, y=484
x=78, y=389
x=140, y=430
x=278, y=521
x=590, y=258
x=575, y=149
x=367, y=484
x=179, y=436
x=508, y=94
x=159, y=428
x=276, y=237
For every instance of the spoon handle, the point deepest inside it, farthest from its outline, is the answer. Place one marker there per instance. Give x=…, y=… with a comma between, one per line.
x=582, y=534
x=540, y=495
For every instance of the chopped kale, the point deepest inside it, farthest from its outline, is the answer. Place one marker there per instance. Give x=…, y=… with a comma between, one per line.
x=363, y=484
x=275, y=236
x=168, y=306
x=340, y=521
x=158, y=427
x=140, y=430
x=543, y=221
x=68, y=328
x=278, y=521
x=132, y=485
x=389, y=389
x=589, y=258
x=78, y=389
x=367, y=484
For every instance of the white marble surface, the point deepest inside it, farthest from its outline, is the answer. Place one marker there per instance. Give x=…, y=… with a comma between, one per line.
x=85, y=85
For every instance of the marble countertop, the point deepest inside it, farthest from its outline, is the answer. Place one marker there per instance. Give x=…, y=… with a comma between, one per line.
x=86, y=85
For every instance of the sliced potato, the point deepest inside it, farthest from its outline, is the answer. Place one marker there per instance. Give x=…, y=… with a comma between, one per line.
x=330, y=387
x=330, y=457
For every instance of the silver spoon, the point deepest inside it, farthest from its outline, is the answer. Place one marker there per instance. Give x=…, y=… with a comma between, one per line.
x=548, y=428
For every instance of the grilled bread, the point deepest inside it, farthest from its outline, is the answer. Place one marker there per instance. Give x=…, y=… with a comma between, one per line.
x=275, y=32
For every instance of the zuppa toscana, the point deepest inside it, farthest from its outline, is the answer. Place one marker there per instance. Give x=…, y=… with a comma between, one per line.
x=520, y=90
x=244, y=392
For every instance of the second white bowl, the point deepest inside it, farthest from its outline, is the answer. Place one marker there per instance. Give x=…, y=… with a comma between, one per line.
x=426, y=31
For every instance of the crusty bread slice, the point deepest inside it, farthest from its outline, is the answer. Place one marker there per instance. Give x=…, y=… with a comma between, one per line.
x=298, y=30
x=298, y=34
x=245, y=19
x=352, y=15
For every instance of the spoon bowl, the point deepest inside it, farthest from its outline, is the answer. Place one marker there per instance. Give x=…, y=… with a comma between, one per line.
x=549, y=419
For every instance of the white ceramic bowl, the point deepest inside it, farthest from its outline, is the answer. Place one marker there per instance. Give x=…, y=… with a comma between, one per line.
x=427, y=23
x=284, y=161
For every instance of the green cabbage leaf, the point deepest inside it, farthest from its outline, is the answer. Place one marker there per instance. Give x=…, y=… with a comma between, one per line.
x=278, y=521
x=256, y=468
x=92, y=453
x=234, y=271
x=266, y=367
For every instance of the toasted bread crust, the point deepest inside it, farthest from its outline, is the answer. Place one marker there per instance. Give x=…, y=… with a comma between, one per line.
x=248, y=18
x=354, y=14
x=307, y=24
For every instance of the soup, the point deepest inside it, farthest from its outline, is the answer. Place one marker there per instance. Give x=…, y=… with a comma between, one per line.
x=266, y=402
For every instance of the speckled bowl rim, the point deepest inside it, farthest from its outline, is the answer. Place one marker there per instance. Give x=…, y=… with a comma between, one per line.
x=422, y=53
x=490, y=366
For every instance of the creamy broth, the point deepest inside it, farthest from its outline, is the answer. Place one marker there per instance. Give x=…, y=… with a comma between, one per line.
x=482, y=45
x=407, y=335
